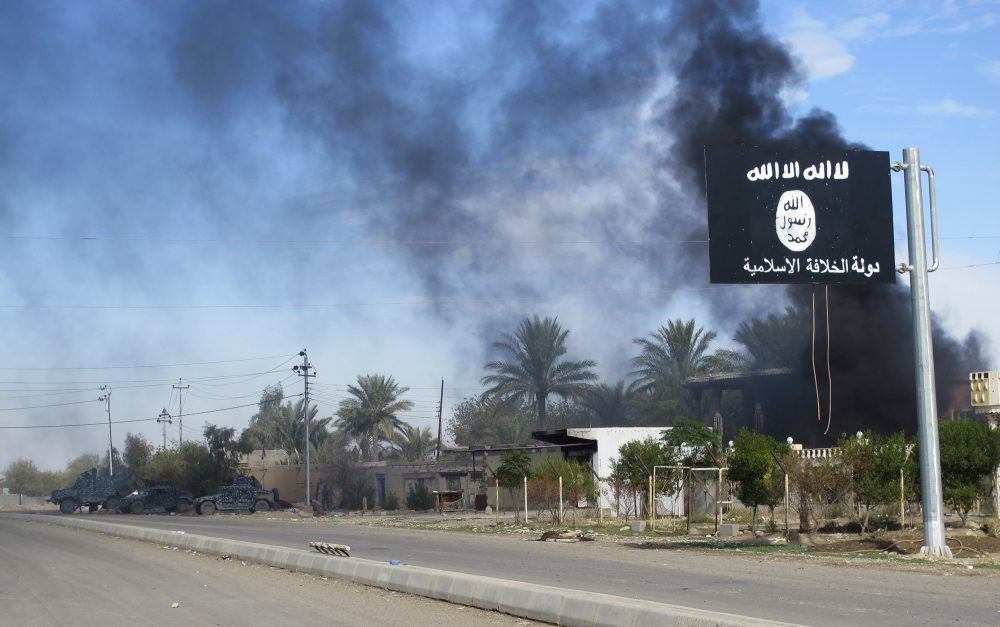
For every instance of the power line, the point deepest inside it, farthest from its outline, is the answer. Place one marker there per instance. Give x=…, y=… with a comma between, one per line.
x=202, y=380
x=45, y=406
x=195, y=363
x=79, y=424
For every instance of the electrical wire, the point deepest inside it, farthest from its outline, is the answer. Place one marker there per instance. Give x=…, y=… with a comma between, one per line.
x=46, y=406
x=829, y=371
x=195, y=363
x=102, y=423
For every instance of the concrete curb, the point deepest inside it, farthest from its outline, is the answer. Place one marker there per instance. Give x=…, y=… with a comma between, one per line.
x=542, y=603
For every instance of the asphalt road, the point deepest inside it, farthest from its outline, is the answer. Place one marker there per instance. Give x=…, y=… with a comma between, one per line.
x=61, y=577
x=798, y=591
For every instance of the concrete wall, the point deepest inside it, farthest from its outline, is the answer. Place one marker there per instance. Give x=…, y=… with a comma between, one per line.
x=17, y=499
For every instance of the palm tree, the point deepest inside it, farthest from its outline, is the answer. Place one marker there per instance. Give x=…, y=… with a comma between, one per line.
x=610, y=405
x=534, y=370
x=290, y=427
x=675, y=352
x=413, y=443
x=777, y=341
x=370, y=417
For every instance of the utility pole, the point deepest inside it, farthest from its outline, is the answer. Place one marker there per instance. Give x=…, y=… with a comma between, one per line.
x=106, y=397
x=927, y=422
x=303, y=371
x=164, y=417
x=180, y=413
x=437, y=455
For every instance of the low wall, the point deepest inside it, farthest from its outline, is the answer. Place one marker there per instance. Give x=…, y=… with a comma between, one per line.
x=19, y=499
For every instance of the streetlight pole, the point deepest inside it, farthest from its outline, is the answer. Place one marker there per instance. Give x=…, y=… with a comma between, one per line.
x=106, y=397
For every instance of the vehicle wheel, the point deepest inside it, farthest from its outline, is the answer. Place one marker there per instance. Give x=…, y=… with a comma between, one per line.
x=137, y=507
x=207, y=508
x=113, y=503
x=183, y=505
x=262, y=506
x=68, y=506
x=91, y=508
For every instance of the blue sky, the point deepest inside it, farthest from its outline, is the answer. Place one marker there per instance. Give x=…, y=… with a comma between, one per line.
x=393, y=185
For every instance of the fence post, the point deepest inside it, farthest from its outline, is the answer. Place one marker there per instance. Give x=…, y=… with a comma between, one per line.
x=560, y=500
x=902, y=499
x=526, y=500
x=786, y=504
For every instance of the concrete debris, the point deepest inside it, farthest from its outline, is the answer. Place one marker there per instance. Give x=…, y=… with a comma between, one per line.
x=564, y=536
x=332, y=549
x=175, y=605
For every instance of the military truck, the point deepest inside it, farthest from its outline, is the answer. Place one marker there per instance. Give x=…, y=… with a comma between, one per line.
x=158, y=496
x=93, y=491
x=244, y=494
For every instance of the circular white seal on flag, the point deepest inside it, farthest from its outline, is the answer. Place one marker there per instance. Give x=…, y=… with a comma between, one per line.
x=795, y=220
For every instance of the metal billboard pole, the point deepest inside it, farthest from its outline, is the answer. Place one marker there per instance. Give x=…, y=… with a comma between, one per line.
x=927, y=422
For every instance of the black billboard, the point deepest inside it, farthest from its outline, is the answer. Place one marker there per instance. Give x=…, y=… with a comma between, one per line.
x=799, y=216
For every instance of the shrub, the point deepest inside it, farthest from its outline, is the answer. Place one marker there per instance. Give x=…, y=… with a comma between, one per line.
x=355, y=492
x=391, y=502
x=420, y=498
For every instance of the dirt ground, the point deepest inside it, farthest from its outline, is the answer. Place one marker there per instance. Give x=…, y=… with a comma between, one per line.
x=961, y=543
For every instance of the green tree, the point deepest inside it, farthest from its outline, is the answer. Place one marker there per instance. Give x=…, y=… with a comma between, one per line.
x=82, y=464
x=633, y=468
x=22, y=477
x=262, y=431
x=970, y=453
x=694, y=443
x=874, y=462
x=413, y=443
x=817, y=488
x=190, y=467
x=370, y=417
x=137, y=454
x=510, y=474
x=674, y=353
x=535, y=368
x=753, y=464
x=282, y=426
x=223, y=452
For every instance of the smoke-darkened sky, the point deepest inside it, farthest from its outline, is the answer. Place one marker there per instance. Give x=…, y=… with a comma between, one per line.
x=392, y=184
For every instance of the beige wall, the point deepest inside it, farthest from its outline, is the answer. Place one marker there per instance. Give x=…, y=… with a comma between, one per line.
x=399, y=477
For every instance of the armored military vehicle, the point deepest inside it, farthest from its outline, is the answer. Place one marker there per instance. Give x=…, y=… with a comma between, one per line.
x=244, y=494
x=92, y=491
x=158, y=496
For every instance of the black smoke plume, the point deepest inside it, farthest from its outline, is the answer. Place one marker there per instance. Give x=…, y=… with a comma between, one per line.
x=731, y=79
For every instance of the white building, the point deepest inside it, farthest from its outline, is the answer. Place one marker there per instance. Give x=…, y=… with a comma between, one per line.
x=598, y=447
